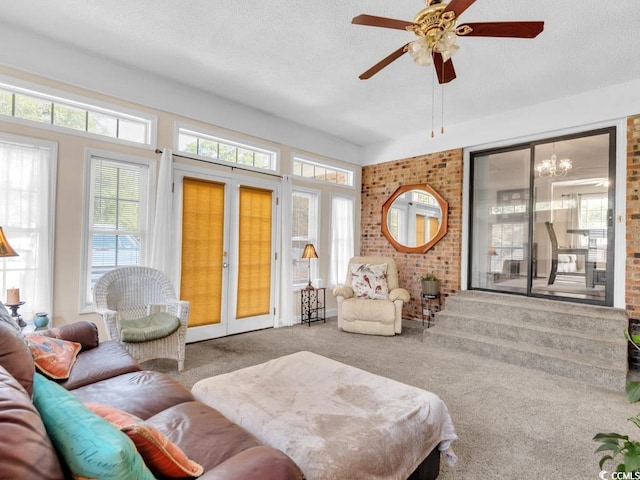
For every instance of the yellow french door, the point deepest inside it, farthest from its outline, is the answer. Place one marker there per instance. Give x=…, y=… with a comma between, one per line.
x=254, y=253
x=228, y=257
x=420, y=230
x=202, y=259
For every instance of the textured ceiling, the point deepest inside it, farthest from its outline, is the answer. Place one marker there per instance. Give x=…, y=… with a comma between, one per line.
x=300, y=60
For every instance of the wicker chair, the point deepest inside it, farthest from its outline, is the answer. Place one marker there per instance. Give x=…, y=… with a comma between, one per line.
x=129, y=293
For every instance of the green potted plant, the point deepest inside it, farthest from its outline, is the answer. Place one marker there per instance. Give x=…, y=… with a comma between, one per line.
x=430, y=284
x=615, y=445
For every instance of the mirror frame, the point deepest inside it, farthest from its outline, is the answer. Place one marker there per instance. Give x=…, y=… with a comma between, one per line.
x=442, y=231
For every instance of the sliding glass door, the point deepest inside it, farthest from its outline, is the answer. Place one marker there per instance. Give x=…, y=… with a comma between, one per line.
x=542, y=218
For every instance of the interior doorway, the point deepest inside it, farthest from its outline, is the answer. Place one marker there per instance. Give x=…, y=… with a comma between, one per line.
x=542, y=218
x=228, y=266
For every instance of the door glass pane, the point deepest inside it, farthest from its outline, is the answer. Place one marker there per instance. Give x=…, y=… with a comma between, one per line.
x=571, y=217
x=499, y=243
x=202, y=250
x=254, y=252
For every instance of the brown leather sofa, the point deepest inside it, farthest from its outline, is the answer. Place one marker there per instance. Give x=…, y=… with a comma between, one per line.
x=105, y=373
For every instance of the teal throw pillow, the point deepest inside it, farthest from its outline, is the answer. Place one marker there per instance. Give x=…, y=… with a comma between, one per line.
x=90, y=446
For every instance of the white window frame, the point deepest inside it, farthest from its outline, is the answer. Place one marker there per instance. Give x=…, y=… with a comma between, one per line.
x=45, y=302
x=83, y=103
x=147, y=202
x=351, y=174
x=206, y=134
x=315, y=223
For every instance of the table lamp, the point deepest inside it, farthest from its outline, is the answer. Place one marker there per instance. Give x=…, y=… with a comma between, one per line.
x=309, y=253
x=5, y=249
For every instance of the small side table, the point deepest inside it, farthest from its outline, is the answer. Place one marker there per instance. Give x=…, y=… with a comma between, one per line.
x=431, y=302
x=15, y=315
x=312, y=305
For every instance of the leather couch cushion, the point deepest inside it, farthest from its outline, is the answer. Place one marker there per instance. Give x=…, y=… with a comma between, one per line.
x=187, y=424
x=107, y=360
x=16, y=357
x=25, y=448
x=142, y=393
x=262, y=462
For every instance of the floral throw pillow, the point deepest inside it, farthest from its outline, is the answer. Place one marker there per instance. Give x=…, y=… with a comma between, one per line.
x=52, y=356
x=369, y=281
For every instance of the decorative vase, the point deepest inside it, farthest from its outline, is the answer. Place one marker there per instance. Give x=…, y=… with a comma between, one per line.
x=41, y=320
x=430, y=287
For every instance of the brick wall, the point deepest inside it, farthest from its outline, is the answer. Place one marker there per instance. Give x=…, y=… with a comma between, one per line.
x=633, y=217
x=443, y=171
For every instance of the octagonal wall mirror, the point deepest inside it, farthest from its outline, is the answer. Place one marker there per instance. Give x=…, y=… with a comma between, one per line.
x=414, y=218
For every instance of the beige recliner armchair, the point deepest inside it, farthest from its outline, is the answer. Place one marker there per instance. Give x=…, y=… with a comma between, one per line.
x=381, y=315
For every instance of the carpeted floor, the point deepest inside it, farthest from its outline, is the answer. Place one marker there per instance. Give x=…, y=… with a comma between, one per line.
x=512, y=422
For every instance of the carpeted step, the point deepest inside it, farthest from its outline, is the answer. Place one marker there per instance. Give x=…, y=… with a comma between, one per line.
x=605, y=374
x=604, y=321
x=582, y=342
x=574, y=340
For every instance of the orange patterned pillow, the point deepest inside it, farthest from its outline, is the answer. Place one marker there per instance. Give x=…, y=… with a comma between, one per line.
x=52, y=356
x=161, y=455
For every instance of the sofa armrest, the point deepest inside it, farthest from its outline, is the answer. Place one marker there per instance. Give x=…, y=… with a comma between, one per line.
x=399, y=294
x=343, y=291
x=261, y=462
x=85, y=333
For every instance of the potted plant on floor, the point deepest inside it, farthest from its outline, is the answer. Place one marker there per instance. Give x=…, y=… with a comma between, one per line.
x=617, y=447
x=430, y=284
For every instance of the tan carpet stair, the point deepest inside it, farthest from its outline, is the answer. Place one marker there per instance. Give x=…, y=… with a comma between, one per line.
x=578, y=341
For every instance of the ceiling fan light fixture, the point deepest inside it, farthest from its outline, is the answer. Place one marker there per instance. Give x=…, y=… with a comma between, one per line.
x=420, y=51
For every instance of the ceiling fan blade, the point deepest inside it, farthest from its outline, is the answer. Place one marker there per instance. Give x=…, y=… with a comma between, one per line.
x=458, y=6
x=504, y=29
x=384, y=62
x=383, y=22
x=444, y=70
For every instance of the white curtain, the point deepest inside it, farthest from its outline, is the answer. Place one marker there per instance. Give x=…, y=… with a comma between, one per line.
x=27, y=206
x=342, y=238
x=286, y=293
x=161, y=255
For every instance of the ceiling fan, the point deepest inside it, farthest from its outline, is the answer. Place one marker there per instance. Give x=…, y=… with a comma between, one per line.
x=437, y=32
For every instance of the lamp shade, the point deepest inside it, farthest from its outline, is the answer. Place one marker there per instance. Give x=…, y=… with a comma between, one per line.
x=309, y=251
x=5, y=249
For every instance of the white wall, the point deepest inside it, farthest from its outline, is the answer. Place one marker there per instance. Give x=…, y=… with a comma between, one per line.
x=579, y=112
x=40, y=56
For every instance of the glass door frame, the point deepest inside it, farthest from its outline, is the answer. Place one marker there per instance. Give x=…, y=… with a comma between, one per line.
x=228, y=324
x=611, y=131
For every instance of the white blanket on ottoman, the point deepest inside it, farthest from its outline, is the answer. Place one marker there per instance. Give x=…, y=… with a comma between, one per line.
x=335, y=421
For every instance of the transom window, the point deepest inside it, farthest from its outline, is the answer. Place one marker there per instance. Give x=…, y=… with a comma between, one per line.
x=46, y=109
x=210, y=147
x=322, y=172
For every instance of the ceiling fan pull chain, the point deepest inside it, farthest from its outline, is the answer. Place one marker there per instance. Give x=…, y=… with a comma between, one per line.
x=433, y=103
x=442, y=112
